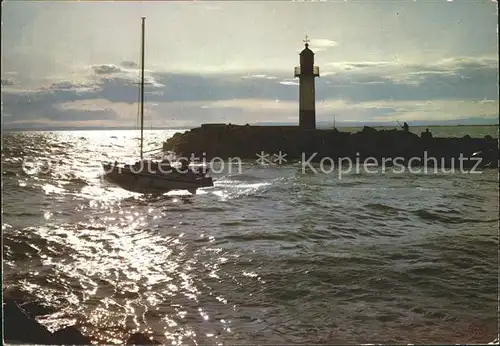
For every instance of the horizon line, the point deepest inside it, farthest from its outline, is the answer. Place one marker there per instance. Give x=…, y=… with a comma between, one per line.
x=324, y=126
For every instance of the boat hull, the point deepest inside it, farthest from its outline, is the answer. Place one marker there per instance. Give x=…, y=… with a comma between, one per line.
x=144, y=182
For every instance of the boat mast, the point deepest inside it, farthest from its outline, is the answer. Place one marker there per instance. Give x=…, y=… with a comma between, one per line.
x=142, y=84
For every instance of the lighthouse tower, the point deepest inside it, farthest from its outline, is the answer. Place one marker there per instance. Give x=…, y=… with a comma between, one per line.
x=307, y=98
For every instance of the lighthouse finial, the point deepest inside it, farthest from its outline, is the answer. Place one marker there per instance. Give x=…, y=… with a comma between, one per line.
x=306, y=40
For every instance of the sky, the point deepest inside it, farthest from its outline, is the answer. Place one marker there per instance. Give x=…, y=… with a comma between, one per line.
x=75, y=64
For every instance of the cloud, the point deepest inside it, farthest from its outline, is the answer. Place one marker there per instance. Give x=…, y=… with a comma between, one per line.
x=8, y=81
x=106, y=69
x=356, y=66
x=460, y=87
x=129, y=64
x=464, y=78
x=290, y=82
x=70, y=87
x=259, y=76
x=322, y=44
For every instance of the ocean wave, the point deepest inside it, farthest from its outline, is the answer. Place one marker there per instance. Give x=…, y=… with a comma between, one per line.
x=433, y=216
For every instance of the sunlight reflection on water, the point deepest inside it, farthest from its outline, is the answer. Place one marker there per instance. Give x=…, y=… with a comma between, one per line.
x=139, y=271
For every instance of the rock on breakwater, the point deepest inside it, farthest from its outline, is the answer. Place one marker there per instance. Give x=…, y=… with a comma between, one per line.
x=21, y=327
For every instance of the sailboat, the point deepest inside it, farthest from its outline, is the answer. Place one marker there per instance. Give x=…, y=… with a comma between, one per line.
x=150, y=176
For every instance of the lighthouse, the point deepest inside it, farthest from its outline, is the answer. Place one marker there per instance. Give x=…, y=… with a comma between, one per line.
x=307, y=98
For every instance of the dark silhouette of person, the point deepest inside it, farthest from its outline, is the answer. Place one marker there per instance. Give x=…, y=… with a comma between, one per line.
x=427, y=134
x=406, y=128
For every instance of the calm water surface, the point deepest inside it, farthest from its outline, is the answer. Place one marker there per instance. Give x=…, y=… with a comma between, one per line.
x=270, y=255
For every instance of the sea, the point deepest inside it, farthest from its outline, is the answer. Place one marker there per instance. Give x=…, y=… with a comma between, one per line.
x=271, y=254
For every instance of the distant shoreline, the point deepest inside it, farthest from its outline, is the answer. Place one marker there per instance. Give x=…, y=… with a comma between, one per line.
x=125, y=128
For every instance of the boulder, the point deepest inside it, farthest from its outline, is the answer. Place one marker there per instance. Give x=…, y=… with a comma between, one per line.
x=35, y=308
x=70, y=336
x=19, y=327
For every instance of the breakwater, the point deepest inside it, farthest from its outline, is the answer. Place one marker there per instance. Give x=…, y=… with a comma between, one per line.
x=246, y=142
